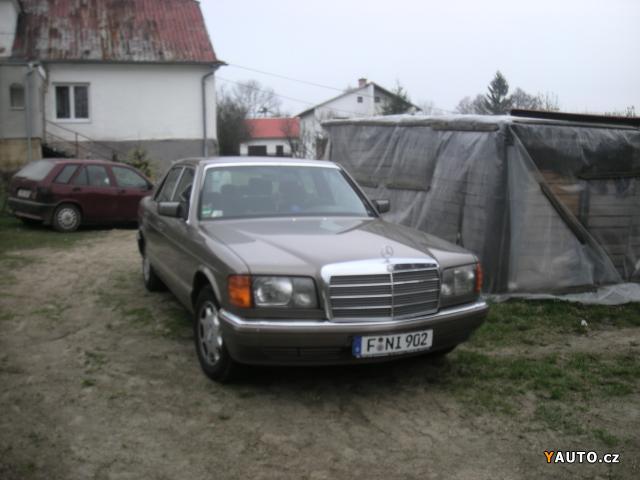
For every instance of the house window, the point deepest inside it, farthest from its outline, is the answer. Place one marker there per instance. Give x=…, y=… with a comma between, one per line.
x=359, y=99
x=377, y=98
x=72, y=102
x=16, y=96
x=257, y=150
x=279, y=150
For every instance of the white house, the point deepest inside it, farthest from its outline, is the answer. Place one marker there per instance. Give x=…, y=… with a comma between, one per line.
x=97, y=78
x=368, y=99
x=272, y=136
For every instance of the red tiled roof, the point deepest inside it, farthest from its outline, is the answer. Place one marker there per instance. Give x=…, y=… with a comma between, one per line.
x=274, y=127
x=167, y=31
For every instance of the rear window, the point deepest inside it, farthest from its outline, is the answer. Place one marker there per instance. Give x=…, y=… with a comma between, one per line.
x=36, y=170
x=65, y=174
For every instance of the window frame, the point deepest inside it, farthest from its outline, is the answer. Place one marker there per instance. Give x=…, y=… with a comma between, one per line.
x=72, y=102
x=14, y=86
x=178, y=168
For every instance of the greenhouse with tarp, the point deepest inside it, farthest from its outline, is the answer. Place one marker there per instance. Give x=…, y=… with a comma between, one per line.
x=551, y=205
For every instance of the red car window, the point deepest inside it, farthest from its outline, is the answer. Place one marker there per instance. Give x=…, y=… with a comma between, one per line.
x=81, y=177
x=65, y=174
x=98, y=176
x=127, y=178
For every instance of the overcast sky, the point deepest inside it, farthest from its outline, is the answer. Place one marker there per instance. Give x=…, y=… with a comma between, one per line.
x=585, y=51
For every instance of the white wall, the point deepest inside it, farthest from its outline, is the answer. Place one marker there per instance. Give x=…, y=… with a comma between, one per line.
x=8, y=24
x=346, y=106
x=13, y=122
x=136, y=102
x=270, y=143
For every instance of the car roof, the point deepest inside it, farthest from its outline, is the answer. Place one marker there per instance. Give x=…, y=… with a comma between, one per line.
x=253, y=160
x=84, y=161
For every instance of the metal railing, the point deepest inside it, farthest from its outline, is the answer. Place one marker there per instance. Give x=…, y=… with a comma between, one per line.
x=80, y=146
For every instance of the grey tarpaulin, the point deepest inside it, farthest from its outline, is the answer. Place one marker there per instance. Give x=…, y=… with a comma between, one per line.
x=549, y=206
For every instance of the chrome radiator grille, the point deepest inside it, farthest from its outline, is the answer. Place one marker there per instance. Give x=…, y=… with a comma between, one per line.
x=408, y=290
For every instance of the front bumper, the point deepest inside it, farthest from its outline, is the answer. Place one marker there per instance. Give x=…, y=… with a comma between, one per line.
x=21, y=207
x=321, y=342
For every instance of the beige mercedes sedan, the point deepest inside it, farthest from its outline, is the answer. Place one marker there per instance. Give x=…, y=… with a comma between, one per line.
x=287, y=262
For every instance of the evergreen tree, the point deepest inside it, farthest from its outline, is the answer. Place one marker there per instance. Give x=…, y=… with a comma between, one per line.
x=398, y=103
x=497, y=101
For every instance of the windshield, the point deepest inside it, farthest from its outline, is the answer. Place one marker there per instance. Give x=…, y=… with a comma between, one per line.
x=274, y=190
x=36, y=170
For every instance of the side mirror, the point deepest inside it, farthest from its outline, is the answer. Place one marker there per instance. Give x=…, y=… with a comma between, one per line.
x=170, y=209
x=383, y=206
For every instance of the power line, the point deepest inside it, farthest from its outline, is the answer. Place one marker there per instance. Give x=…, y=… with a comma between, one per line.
x=314, y=84
x=277, y=75
x=306, y=102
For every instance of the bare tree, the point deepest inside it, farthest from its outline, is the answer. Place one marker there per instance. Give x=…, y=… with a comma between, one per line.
x=469, y=105
x=629, y=111
x=291, y=130
x=256, y=99
x=521, y=99
x=498, y=101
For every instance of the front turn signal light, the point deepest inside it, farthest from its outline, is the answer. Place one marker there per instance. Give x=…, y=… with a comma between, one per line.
x=239, y=289
x=479, y=278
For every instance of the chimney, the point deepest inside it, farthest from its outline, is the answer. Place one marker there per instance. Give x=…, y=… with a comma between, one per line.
x=362, y=82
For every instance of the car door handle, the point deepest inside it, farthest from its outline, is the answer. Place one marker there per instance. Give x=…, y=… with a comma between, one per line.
x=122, y=192
x=76, y=189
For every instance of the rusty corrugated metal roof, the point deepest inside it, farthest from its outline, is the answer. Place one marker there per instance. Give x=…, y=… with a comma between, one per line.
x=113, y=30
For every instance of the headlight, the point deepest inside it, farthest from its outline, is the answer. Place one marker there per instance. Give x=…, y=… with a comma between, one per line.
x=460, y=284
x=296, y=292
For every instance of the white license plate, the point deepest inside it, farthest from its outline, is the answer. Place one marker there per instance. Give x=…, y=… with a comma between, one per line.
x=22, y=193
x=382, y=345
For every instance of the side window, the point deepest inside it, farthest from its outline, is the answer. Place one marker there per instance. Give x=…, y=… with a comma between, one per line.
x=16, y=96
x=81, y=178
x=127, y=178
x=72, y=102
x=166, y=191
x=183, y=192
x=98, y=176
x=65, y=174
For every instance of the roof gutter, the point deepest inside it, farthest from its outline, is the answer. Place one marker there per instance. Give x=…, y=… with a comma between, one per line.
x=205, y=143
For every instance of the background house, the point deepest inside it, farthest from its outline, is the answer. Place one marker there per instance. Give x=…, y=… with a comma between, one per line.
x=368, y=99
x=272, y=136
x=102, y=77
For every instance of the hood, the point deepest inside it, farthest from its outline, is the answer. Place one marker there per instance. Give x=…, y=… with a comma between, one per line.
x=302, y=246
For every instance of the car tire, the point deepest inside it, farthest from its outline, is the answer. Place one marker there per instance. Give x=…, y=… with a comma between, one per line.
x=66, y=218
x=151, y=280
x=212, y=353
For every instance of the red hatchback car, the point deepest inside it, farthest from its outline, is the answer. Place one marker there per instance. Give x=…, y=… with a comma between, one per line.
x=66, y=193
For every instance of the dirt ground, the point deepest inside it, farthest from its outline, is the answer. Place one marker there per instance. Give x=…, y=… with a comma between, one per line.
x=99, y=379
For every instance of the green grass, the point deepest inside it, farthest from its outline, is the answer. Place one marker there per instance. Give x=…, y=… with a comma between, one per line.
x=564, y=385
x=171, y=321
x=571, y=376
x=88, y=383
x=517, y=323
x=14, y=235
